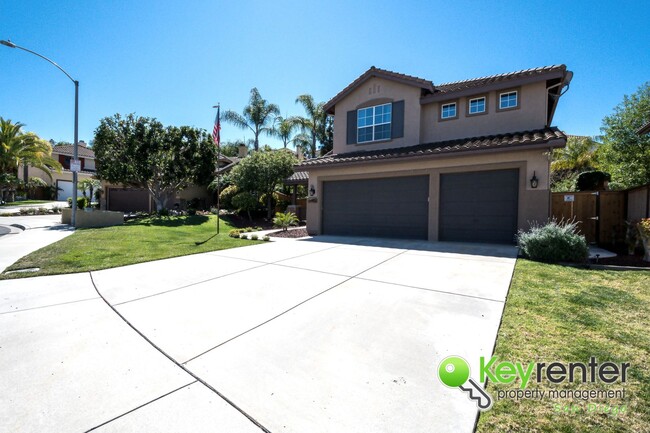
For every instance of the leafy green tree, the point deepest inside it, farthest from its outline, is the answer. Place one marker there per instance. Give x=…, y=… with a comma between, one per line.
x=315, y=125
x=580, y=154
x=626, y=154
x=140, y=151
x=262, y=172
x=257, y=116
x=245, y=201
x=231, y=148
x=18, y=147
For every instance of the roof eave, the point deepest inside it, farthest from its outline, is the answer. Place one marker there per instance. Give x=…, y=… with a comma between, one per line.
x=505, y=84
x=550, y=144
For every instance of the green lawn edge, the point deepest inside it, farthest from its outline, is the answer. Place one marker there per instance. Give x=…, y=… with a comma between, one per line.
x=134, y=242
x=567, y=314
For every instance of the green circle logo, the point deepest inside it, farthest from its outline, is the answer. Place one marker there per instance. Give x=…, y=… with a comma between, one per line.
x=453, y=371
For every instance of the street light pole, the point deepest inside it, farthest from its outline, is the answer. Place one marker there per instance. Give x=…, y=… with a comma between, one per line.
x=10, y=44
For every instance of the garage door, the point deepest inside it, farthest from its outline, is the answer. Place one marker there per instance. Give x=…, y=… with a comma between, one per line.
x=396, y=207
x=64, y=190
x=479, y=206
x=128, y=200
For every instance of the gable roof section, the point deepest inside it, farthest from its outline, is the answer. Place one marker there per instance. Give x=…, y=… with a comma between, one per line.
x=645, y=129
x=492, y=142
x=380, y=73
x=68, y=150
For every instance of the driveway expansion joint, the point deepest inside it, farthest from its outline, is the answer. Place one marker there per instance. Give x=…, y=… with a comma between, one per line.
x=179, y=365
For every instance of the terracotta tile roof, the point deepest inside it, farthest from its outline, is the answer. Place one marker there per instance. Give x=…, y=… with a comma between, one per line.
x=68, y=150
x=382, y=73
x=501, y=141
x=483, y=81
x=299, y=177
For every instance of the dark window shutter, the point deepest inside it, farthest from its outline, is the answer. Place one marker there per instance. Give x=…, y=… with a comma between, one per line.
x=397, y=128
x=352, y=127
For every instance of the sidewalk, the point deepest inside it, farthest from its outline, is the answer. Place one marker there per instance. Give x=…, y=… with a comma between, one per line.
x=28, y=234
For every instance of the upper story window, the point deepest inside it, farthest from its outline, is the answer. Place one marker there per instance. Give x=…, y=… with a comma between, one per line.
x=508, y=100
x=448, y=111
x=477, y=105
x=373, y=123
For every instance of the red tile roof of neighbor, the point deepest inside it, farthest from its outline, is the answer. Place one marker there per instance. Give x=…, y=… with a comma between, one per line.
x=456, y=86
x=68, y=150
x=501, y=141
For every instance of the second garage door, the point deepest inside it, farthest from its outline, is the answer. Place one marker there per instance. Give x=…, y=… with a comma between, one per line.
x=396, y=207
x=479, y=206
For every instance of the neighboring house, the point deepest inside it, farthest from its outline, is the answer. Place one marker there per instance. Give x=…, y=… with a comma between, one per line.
x=645, y=129
x=63, y=181
x=460, y=161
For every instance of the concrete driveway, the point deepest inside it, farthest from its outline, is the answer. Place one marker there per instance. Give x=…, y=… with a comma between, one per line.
x=327, y=335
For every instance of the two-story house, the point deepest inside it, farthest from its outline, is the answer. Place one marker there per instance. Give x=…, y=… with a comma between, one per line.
x=460, y=161
x=63, y=181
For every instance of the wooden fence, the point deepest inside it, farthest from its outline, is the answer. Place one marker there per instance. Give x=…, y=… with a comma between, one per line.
x=601, y=215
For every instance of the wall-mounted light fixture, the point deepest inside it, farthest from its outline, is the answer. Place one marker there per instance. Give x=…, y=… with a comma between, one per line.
x=312, y=191
x=534, y=182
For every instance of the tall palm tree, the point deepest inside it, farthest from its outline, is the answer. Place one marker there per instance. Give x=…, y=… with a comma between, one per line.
x=258, y=116
x=18, y=147
x=315, y=124
x=284, y=129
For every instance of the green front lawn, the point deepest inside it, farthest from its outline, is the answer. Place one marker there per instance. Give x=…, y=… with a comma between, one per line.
x=565, y=314
x=134, y=242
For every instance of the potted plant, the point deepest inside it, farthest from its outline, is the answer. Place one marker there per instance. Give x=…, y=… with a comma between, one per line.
x=644, y=232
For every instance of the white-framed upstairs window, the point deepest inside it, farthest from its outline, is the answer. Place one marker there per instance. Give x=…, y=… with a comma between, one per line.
x=477, y=105
x=448, y=111
x=508, y=100
x=373, y=123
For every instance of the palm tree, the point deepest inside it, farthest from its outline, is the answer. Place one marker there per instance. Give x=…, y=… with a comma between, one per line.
x=315, y=124
x=257, y=116
x=284, y=128
x=18, y=147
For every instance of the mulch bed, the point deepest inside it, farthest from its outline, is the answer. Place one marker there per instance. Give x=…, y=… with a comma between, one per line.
x=296, y=233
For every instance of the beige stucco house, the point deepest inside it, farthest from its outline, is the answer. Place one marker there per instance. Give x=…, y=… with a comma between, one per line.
x=63, y=180
x=460, y=161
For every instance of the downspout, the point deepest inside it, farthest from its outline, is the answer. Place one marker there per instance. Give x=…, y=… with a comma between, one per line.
x=566, y=81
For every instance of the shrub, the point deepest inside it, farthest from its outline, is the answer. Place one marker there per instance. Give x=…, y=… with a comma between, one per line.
x=244, y=236
x=258, y=229
x=56, y=209
x=23, y=210
x=554, y=242
x=234, y=233
x=266, y=238
x=69, y=201
x=163, y=212
x=43, y=210
x=248, y=229
x=191, y=211
x=226, y=196
x=31, y=211
x=82, y=202
x=254, y=237
x=285, y=220
x=245, y=202
x=644, y=227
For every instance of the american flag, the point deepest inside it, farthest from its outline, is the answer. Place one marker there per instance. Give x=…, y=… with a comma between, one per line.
x=216, y=131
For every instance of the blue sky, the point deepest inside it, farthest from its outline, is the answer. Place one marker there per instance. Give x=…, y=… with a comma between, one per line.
x=175, y=60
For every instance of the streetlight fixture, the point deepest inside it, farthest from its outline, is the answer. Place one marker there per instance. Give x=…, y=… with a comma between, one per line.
x=73, y=220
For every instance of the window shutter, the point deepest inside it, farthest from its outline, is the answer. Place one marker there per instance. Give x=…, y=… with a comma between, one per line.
x=397, y=128
x=352, y=127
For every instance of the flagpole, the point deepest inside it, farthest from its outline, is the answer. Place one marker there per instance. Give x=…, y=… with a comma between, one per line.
x=217, y=139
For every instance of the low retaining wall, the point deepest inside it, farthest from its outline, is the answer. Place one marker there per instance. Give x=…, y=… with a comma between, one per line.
x=95, y=218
